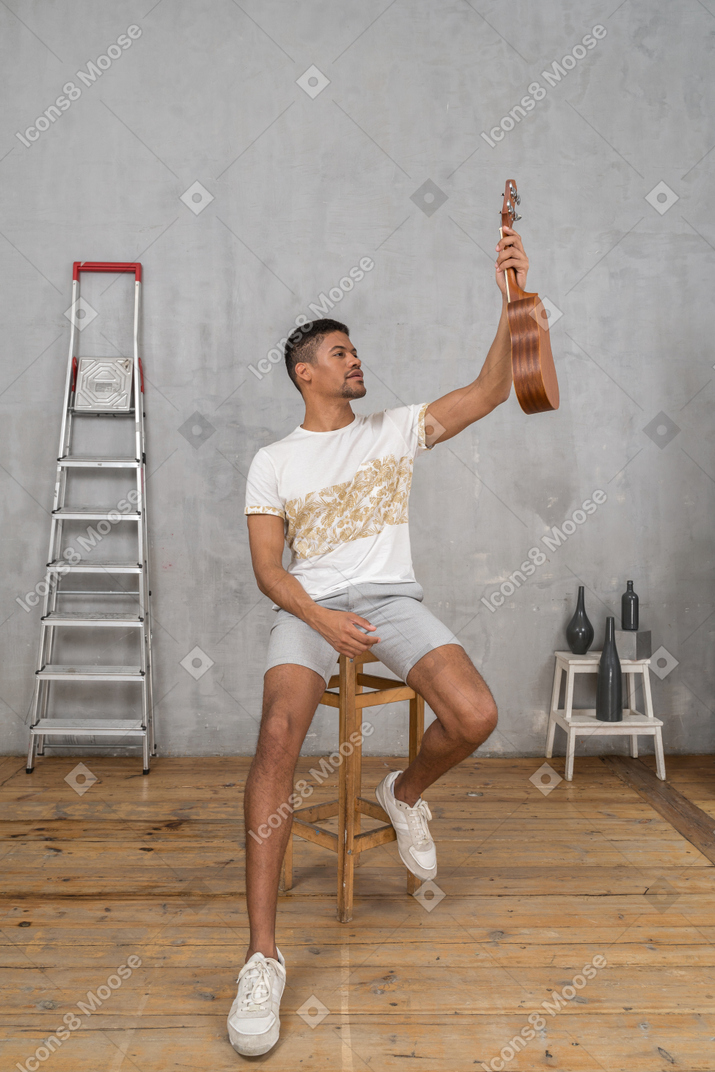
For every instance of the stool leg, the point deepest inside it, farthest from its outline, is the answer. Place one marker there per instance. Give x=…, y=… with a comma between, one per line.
x=285, y=881
x=647, y=697
x=568, y=696
x=631, y=682
x=347, y=794
x=555, y=692
x=631, y=679
x=570, y=732
x=357, y=759
x=659, y=756
x=570, y=750
x=417, y=729
x=658, y=737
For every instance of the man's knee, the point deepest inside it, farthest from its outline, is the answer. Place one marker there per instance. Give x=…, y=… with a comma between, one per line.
x=476, y=718
x=279, y=739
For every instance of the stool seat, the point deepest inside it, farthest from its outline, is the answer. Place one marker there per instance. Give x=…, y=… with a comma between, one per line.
x=350, y=842
x=583, y=722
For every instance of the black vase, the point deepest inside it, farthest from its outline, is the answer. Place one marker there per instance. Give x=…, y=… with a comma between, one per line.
x=579, y=631
x=609, y=686
x=629, y=608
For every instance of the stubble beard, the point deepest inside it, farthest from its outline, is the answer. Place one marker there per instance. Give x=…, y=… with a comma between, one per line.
x=353, y=388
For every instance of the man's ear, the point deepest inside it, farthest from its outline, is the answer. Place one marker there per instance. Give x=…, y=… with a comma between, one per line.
x=302, y=371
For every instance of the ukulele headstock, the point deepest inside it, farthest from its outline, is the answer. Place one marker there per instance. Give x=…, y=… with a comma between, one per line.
x=509, y=215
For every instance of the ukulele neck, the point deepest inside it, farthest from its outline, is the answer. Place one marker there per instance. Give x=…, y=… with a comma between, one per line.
x=513, y=290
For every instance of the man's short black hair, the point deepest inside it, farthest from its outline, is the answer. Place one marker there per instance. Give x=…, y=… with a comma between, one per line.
x=304, y=341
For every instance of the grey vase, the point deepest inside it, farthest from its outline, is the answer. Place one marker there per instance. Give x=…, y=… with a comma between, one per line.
x=579, y=631
x=609, y=683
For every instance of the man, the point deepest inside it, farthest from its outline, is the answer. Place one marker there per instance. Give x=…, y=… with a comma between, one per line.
x=336, y=491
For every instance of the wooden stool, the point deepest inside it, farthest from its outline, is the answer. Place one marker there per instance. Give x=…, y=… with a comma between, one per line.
x=349, y=842
x=584, y=722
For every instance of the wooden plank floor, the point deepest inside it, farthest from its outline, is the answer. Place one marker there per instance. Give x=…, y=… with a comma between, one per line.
x=535, y=886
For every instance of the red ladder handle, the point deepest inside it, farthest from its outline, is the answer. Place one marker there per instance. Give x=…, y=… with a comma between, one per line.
x=106, y=266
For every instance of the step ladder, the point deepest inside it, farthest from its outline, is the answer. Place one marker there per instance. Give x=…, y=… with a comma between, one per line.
x=96, y=388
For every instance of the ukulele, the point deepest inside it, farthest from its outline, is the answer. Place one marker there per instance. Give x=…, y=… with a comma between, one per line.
x=532, y=364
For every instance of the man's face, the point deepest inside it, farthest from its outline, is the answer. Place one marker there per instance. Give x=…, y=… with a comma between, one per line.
x=336, y=371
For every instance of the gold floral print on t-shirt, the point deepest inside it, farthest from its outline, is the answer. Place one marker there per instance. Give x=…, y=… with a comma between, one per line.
x=376, y=496
x=264, y=510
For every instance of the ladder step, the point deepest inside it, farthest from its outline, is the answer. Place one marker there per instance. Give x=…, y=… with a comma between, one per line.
x=91, y=673
x=95, y=567
x=87, y=513
x=101, y=412
x=80, y=461
x=93, y=726
x=58, y=618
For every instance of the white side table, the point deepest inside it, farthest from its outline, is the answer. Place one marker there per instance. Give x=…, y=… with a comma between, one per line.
x=583, y=722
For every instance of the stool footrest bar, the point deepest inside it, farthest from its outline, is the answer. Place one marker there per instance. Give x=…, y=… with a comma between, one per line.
x=311, y=832
x=369, y=807
x=370, y=839
x=316, y=812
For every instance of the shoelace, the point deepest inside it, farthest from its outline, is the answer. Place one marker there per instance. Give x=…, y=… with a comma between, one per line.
x=257, y=981
x=418, y=817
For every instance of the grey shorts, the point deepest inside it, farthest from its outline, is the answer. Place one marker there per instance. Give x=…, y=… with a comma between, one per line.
x=407, y=629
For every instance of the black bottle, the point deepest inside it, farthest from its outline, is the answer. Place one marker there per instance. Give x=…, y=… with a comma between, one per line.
x=609, y=686
x=579, y=631
x=629, y=608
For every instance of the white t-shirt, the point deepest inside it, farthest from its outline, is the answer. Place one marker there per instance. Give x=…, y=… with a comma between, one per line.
x=343, y=497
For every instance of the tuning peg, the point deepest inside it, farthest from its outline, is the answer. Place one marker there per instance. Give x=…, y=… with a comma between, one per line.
x=517, y=217
x=517, y=199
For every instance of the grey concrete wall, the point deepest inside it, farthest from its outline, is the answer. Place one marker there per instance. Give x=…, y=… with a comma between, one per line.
x=299, y=187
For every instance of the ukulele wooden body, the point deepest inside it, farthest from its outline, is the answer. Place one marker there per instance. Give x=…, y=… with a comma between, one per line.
x=532, y=363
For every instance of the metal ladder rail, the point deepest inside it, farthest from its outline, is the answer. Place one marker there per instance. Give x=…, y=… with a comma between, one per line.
x=41, y=690
x=59, y=515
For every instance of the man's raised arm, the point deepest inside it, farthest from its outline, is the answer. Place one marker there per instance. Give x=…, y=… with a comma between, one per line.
x=458, y=409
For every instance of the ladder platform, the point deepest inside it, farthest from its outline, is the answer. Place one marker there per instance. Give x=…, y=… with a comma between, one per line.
x=58, y=672
x=94, y=567
x=59, y=618
x=88, y=513
x=90, y=726
x=81, y=461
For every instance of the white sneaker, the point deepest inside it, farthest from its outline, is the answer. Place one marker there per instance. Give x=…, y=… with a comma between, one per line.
x=414, y=842
x=253, y=1022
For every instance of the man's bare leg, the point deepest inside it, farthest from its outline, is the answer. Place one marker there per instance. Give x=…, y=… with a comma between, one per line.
x=290, y=696
x=466, y=715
